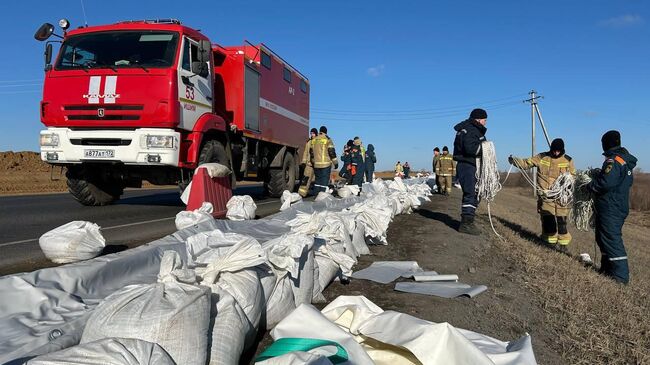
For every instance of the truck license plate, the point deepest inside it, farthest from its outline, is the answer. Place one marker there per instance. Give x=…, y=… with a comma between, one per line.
x=99, y=153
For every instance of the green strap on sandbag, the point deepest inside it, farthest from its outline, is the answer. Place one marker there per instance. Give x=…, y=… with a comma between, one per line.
x=286, y=345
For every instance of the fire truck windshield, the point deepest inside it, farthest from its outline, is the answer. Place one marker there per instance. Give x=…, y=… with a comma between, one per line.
x=121, y=49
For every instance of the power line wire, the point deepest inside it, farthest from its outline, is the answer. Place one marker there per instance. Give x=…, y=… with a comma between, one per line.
x=18, y=81
x=21, y=85
x=392, y=118
x=323, y=110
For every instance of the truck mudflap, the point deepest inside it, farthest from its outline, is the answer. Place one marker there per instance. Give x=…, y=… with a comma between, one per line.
x=143, y=146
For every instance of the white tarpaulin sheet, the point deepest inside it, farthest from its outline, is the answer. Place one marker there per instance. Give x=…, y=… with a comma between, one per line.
x=445, y=290
x=385, y=272
x=373, y=336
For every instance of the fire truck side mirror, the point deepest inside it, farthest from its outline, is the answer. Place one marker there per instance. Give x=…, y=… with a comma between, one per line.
x=48, y=53
x=205, y=48
x=44, y=32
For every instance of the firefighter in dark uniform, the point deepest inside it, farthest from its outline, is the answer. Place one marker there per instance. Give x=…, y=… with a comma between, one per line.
x=371, y=160
x=324, y=159
x=611, y=188
x=307, y=157
x=470, y=134
x=345, y=157
x=554, y=216
x=445, y=169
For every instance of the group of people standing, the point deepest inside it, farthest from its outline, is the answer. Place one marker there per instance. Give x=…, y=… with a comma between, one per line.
x=403, y=171
x=319, y=157
x=610, y=187
x=445, y=169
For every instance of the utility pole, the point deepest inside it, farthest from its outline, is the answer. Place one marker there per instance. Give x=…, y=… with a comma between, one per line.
x=535, y=111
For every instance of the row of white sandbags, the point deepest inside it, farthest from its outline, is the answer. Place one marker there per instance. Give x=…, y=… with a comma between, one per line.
x=246, y=284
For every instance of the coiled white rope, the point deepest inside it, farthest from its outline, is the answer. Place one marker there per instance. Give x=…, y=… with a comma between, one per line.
x=488, y=182
x=561, y=191
x=582, y=212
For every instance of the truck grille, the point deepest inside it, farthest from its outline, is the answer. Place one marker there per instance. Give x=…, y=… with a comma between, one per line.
x=108, y=112
x=100, y=141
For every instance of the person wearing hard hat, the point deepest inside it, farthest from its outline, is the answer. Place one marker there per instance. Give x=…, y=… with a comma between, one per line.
x=554, y=215
x=445, y=170
x=307, y=158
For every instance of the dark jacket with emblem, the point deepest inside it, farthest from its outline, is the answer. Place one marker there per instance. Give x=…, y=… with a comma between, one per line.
x=612, y=184
x=467, y=145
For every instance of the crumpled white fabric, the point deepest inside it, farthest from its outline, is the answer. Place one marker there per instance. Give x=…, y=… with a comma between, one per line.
x=186, y=219
x=371, y=335
x=72, y=242
x=204, y=247
x=241, y=208
x=323, y=195
x=289, y=198
x=348, y=190
x=213, y=170
x=244, y=254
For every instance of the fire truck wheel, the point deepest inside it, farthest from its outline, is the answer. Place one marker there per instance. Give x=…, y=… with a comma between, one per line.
x=88, y=189
x=213, y=151
x=283, y=178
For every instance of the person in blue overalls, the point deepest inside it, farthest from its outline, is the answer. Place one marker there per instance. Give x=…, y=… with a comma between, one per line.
x=611, y=187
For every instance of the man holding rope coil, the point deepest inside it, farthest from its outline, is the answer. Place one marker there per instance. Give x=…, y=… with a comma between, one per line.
x=553, y=212
x=467, y=150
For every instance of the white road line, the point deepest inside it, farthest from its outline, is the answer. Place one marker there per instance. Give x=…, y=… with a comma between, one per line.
x=119, y=226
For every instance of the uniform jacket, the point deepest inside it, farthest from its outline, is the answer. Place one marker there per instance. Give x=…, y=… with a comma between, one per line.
x=324, y=152
x=435, y=160
x=612, y=184
x=467, y=144
x=307, y=153
x=445, y=165
x=398, y=168
x=371, y=158
x=548, y=168
x=353, y=160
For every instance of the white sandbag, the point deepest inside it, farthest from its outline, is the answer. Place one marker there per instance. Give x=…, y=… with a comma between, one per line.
x=281, y=301
x=241, y=208
x=294, y=253
x=344, y=192
x=323, y=195
x=115, y=351
x=204, y=247
x=230, y=329
x=186, y=219
x=214, y=169
x=289, y=198
x=172, y=313
x=72, y=242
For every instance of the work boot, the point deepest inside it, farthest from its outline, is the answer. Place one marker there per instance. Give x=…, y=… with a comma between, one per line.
x=467, y=226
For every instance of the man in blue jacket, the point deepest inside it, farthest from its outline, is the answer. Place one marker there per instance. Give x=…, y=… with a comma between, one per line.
x=467, y=149
x=371, y=160
x=611, y=187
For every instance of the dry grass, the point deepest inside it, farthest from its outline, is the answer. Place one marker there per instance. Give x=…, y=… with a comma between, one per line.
x=595, y=320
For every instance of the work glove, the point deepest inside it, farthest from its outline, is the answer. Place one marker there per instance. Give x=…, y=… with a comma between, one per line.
x=336, y=165
x=511, y=160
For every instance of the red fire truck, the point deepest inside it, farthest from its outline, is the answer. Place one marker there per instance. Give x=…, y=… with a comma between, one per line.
x=151, y=100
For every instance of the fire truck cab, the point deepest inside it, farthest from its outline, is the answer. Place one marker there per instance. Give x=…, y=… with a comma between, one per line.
x=150, y=100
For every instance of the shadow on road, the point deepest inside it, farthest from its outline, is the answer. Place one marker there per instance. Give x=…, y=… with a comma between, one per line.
x=441, y=217
x=162, y=199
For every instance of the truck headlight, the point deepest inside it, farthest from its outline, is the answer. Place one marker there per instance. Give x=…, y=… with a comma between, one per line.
x=152, y=141
x=49, y=140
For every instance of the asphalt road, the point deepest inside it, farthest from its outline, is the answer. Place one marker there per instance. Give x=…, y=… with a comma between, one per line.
x=141, y=216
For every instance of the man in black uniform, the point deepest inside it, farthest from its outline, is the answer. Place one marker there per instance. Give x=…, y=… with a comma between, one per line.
x=611, y=205
x=467, y=149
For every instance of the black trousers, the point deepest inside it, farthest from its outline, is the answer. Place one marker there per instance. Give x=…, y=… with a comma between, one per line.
x=466, y=175
x=322, y=179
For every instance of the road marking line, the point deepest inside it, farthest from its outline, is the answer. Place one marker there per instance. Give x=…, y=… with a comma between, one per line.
x=120, y=226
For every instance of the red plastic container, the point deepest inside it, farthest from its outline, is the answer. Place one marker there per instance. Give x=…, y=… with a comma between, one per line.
x=215, y=190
